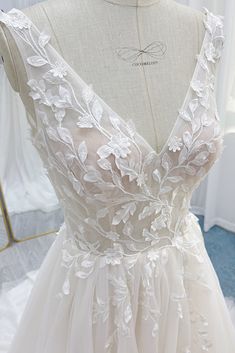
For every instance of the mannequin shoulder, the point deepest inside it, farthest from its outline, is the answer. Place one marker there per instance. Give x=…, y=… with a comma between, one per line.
x=9, y=51
x=46, y=16
x=37, y=13
x=10, y=54
x=192, y=18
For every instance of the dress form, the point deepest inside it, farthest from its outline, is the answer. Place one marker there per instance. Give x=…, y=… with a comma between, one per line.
x=108, y=38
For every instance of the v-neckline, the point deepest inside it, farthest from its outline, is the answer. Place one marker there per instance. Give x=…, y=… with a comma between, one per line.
x=109, y=108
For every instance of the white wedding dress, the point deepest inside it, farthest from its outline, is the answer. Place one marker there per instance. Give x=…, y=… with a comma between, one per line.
x=128, y=271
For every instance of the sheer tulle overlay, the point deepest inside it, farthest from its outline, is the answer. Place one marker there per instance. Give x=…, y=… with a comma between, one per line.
x=54, y=324
x=128, y=271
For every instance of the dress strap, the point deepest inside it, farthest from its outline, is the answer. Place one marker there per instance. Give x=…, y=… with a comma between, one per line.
x=215, y=27
x=31, y=45
x=26, y=36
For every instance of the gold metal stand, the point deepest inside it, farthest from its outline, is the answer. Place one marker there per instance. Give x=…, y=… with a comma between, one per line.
x=6, y=220
x=8, y=225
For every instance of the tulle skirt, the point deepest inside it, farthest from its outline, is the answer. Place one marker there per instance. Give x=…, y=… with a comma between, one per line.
x=165, y=303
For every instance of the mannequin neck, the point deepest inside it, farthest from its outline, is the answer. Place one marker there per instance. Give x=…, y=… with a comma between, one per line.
x=135, y=3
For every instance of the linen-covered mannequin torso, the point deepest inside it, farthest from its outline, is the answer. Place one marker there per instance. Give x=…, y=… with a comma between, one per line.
x=91, y=35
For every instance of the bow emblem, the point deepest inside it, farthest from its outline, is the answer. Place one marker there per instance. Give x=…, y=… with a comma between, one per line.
x=154, y=50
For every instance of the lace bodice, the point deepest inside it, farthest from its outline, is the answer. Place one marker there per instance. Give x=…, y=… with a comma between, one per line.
x=119, y=196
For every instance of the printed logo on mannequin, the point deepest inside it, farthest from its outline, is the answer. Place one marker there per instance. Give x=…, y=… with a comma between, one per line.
x=155, y=50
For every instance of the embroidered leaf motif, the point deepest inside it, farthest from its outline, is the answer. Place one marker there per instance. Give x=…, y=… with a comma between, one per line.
x=187, y=138
x=65, y=135
x=87, y=93
x=155, y=329
x=87, y=263
x=148, y=159
x=43, y=39
x=66, y=287
x=166, y=162
x=97, y=110
x=59, y=115
x=156, y=175
x=183, y=155
x=202, y=61
x=92, y=176
x=82, y=151
x=104, y=151
x=76, y=183
x=52, y=134
x=159, y=223
x=83, y=275
x=193, y=105
x=117, y=180
x=196, y=124
x=128, y=228
x=130, y=127
x=104, y=163
x=153, y=207
x=125, y=168
x=148, y=236
x=190, y=170
x=66, y=98
x=127, y=314
x=90, y=221
x=85, y=121
x=112, y=235
x=60, y=156
x=185, y=115
x=175, y=179
x=205, y=120
x=165, y=189
x=198, y=144
x=201, y=158
x=70, y=157
x=43, y=117
x=124, y=213
x=50, y=78
x=36, y=61
x=114, y=121
x=77, y=186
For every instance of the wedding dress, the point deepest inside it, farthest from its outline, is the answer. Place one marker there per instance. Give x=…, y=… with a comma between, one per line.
x=128, y=271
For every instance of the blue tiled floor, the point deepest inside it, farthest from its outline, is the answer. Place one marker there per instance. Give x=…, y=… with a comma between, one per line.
x=220, y=245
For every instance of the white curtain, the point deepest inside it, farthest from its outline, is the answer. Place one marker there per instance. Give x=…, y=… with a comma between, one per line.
x=215, y=197
x=25, y=184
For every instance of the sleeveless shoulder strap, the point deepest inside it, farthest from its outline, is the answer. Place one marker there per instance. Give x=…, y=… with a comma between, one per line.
x=213, y=52
x=40, y=60
x=30, y=42
x=215, y=27
x=54, y=85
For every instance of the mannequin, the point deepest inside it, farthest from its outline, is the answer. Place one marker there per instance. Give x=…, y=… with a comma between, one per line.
x=139, y=55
